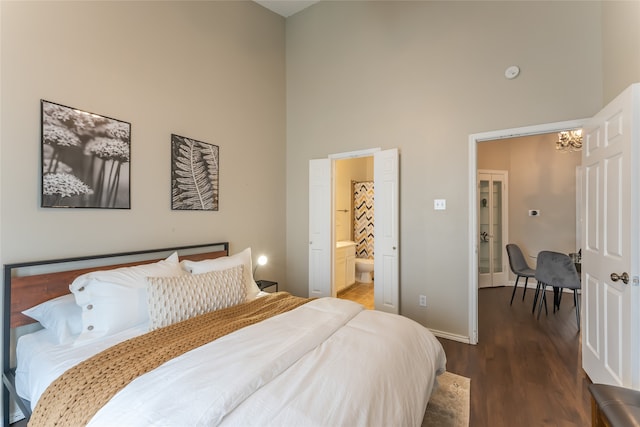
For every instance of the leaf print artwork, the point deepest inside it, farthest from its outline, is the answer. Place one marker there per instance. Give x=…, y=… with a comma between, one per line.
x=194, y=174
x=85, y=159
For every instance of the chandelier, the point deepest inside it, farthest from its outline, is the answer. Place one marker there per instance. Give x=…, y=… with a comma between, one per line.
x=569, y=141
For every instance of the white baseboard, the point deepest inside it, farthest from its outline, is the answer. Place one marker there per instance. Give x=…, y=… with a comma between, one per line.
x=449, y=336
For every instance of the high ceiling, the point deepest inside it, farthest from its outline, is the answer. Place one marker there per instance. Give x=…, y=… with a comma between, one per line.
x=286, y=8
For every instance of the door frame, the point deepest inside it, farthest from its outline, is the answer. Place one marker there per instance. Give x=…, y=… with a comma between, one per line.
x=474, y=139
x=333, y=158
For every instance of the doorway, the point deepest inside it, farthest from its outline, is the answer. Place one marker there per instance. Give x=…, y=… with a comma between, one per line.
x=322, y=239
x=354, y=228
x=493, y=224
x=473, y=230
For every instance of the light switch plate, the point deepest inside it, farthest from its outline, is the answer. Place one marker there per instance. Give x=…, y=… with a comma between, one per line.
x=439, y=204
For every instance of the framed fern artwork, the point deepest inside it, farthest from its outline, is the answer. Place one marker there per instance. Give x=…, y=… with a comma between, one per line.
x=195, y=167
x=85, y=159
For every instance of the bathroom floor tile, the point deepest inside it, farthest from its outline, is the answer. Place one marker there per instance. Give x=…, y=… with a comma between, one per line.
x=359, y=292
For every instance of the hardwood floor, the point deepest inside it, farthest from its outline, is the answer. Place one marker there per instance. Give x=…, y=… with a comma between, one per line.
x=524, y=371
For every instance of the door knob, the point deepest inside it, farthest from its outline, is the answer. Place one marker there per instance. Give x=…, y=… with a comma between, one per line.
x=624, y=276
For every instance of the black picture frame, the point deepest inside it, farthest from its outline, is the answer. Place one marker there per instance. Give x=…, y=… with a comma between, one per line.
x=85, y=159
x=195, y=174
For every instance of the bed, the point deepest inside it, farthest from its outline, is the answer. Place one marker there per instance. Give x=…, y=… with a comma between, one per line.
x=183, y=336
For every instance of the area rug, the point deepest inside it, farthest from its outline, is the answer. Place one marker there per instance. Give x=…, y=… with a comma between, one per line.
x=449, y=403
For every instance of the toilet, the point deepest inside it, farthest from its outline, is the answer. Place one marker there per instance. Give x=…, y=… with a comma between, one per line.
x=364, y=270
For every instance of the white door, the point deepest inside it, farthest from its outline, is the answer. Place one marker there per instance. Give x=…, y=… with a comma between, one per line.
x=492, y=225
x=320, y=253
x=385, y=246
x=610, y=321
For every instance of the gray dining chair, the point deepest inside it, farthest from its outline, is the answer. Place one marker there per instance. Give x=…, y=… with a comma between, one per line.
x=519, y=267
x=557, y=270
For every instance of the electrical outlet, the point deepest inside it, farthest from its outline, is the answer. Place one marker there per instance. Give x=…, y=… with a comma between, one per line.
x=423, y=301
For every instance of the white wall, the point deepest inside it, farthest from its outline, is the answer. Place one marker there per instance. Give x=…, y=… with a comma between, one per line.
x=211, y=71
x=423, y=76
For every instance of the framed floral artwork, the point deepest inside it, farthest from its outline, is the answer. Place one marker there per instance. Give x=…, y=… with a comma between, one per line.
x=85, y=159
x=195, y=167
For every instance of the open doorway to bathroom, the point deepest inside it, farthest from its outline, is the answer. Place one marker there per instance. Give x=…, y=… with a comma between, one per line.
x=322, y=236
x=354, y=230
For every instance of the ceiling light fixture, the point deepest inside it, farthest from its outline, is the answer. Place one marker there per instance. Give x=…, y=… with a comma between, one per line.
x=569, y=141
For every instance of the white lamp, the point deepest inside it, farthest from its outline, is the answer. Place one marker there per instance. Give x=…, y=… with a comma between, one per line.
x=262, y=260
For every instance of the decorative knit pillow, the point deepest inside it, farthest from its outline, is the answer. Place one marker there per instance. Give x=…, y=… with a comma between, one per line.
x=222, y=263
x=178, y=298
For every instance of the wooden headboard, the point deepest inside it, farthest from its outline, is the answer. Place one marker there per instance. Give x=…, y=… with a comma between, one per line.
x=30, y=290
x=30, y=283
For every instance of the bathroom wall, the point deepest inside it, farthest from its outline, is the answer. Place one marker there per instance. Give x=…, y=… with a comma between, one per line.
x=346, y=171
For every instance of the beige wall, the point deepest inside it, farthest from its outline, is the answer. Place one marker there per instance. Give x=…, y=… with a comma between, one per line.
x=423, y=76
x=540, y=178
x=347, y=171
x=420, y=76
x=212, y=71
x=620, y=46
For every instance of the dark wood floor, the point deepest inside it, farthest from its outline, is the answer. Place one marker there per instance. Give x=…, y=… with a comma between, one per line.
x=524, y=371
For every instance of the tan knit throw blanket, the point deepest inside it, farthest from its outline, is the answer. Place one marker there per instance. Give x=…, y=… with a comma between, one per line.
x=77, y=395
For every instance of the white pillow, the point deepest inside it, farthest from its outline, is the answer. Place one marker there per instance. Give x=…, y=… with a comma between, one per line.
x=115, y=300
x=222, y=263
x=174, y=299
x=61, y=315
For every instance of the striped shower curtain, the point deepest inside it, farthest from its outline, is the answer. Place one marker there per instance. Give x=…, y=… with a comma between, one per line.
x=363, y=218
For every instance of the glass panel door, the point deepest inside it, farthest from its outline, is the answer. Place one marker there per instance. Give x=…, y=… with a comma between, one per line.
x=496, y=228
x=484, y=256
x=492, y=223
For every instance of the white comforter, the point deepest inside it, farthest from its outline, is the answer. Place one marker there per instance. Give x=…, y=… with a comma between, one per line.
x=327, y=363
